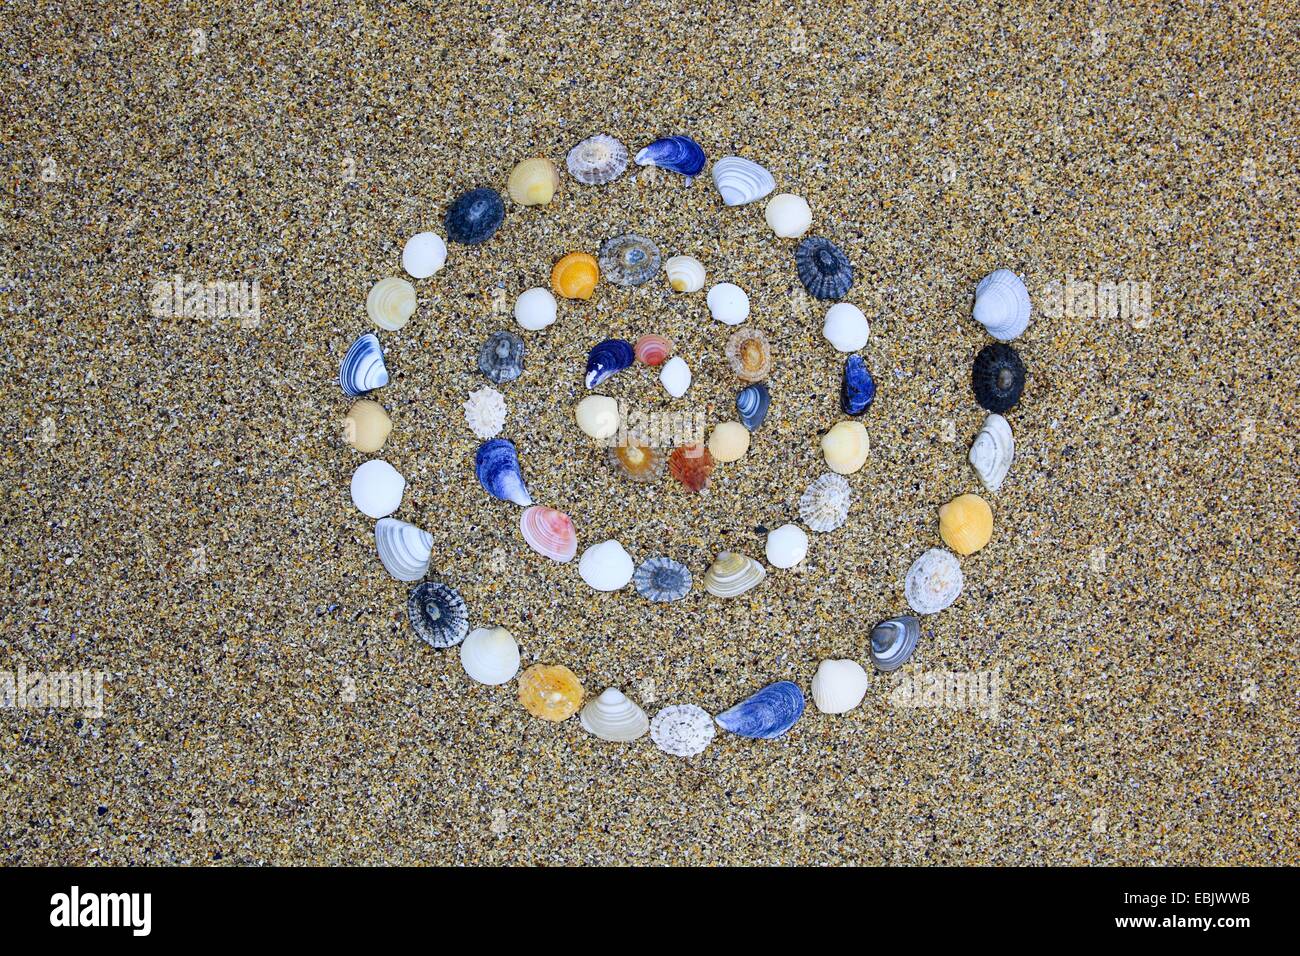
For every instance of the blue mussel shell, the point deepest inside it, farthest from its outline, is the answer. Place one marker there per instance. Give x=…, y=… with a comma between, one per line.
x=767, y=714
x=363, y=366
x=681, y=154
x=496, y=463
x=858, y=390
x=610, y=356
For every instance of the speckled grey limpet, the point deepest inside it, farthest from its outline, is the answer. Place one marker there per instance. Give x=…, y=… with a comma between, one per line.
x=629, y=259
x=662, y=579
x=438, y=614
x=501, y=358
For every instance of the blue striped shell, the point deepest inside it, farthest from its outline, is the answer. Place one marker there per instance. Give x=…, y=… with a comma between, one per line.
x=858, y=389
x=767, y=714
x=893, y=641
x=823, y=269
x=681, y=154
x=496, y=463
x=610, y=356
x=363, y=366
x=752, y=404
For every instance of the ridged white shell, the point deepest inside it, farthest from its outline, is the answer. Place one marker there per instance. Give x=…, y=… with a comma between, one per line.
x=377, y=488
x=733, y=574
x=403, y=548
x=485, y=412
x=846, y=327
x=992, y=452
x=839, y=686
x=741, y=181
x=682, y=730
x=675, y=376
x=390, y=303
x=490, y=655
x=825, y=505
x=788, y=215
x=685, y=273
x=1002, y=305
x=423, y=255
x=535, y=309
x=728, y=303
x=606, y=566
x=786, y=546
x=611, y=716
x=933, y=581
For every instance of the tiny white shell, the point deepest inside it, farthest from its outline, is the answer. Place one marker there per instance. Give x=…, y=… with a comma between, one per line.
x=597, y=416
x=685, y=273
x=485, y=412
x=606, y=566
x=423, y=255
x=403, y=548
x=683, y=730
x=786, y=546
x=728, y=303
x=846, y=327
x=390, y=303
x=490, y=655
x=788, y=215
x=535, y=309
x=934, y=581
x=839, y=686
x=377, y=488
x=675, y=376
x=611, y=716
x=1002, y=305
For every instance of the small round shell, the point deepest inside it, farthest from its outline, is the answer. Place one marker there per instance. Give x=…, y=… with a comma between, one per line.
x=533, y=182
x=685, y=273
x=391, y=303
x=597, y=160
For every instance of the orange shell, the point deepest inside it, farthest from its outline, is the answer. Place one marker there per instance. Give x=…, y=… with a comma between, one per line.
x=550, y=691
x=749, y=354
x=637, y=458
x=574, y=276
x=691, y=465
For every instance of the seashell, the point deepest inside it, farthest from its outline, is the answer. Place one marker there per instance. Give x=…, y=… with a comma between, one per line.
x=485, y=412
x=629, y=259
x=424, y=254
x=998, y=377
x=788, y=215
x=728, y=303
x=846, y=327
x=933, y=581
x=362, y=368
x=992, y=451
x=858, y=388
x=501, y=358
x=893, y=641
x=533, y=182
x=403, y=549
x=732, y=574
x=786, y=546
x=675, y=376
x=474, y=216
x=597, y=160
x=606, y=566
x=550, y=691
x=607, y=358
x=1002, y=305
x=597, y=416
x=685, y=273
x=574, y=276
x=611, y=716
x=496, y=463
x=839, y=686
x=652, y=349
x=391, y=303
x=767, y=714
x=377, y=488
x=682, y=730
x=824, y=506
x=662, y=579
x=637, y=458
x=550, y=533
x=966, y=523
x=750, y=355
x=438, y=615
x=535, y=309
x=741, y=181
x=845, y=447
x=752, y=404
x=691, y=465
x=728, y=441
x=681, y=154
x=823, y=269
x=367, y=426
x=490, y=655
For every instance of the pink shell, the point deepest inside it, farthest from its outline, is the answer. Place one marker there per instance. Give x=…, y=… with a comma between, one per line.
x=549, y=532
x=653, y=349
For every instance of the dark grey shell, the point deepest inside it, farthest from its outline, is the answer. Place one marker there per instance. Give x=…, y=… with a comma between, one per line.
x=438, y=614
x=893, y=641
x=629, y=259
x=501, y=358
x=823, y=269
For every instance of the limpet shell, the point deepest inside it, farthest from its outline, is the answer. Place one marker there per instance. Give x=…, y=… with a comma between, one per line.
x=998, y=377
x=391, y=303
x=933, y=582
x=750, y=355
x=597, y=160
x=636, y=458
x=490, y=655
x=788, y=215
x=992, y=451
x=662, y=579
x=575, y=275
x=533, y=182
x=367, y=426
x=682, y=730
x=611, y=716
x=691, y=465
x=823, y=269
x=550, y=533
x=824, y=506
x=839, y=686
x=685, y=273
x=652, y=349
x=845, y=447
x=501, y=357
x=732, y=574
x=966, y=523
x=550, y=691
x=629, y=259
x=437, y=614
x=474, y=216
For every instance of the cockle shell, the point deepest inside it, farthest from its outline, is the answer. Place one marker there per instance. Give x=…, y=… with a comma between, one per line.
x=597, y=416
x=403, y=549
x=377, y=488
x=823, y=269
x=966, y=523
x=839, y=686
x=367, y=426
x=732, y=574
x=474, y=216
x=362, y=368
x=846, y=327
x=629, y=259
x=607, y=358
x=1002, y=305
x=662, y=579
x=691, y=465
x=893, y=641
x=857, y=387
x=786, y=546
x=424, y=254
x=437, y=614
x=550, y=691
x=681, y=154
x=749, y=354
x=675, y=376
x=992, y=451
x=535, y=309
x=741, y=181
x=845, y=447
x=652, y=349
x=501, y=357
x=574, y=276
x=637, y=458
x=728, y=441
x=752, y=404
x=788, y=215
x=728, y=303
x=485, y=412
x=611, y=716
x=825, y=505
x=390, y=303
x=550, y=533
x=685, y=273
x=533, y=182
x=682, y=730
x=597, y=160
x=767, y=714
x=606, y=566
x=490, y=655
x=933, y=582
x=997, y=377
x=496, y=464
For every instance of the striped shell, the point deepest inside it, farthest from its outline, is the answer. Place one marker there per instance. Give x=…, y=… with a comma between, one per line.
x=390, y=303
x=597, y=160
x=549, y=532
x=741, y=181
x=685, y=273
x=403, y=548
x=363, y=366
x=653, y=349
x=611, y=716
x=732, y=574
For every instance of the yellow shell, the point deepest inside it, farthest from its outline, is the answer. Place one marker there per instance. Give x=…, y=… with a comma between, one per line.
x=533, y=182
x=845, y=447
x=367, y=426
x=390, y=303
x=729, y=441
x=574, y=276
x=550, y=691
x=966, y=523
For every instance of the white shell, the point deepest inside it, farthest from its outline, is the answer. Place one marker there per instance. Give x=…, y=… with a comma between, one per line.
x=490, y=655
x=825, y=505
x=597, y=416
x=839, y=686
x=535, y=309
x=606, y=566
x=741, y=181
x=403, y=548
x=485, y=412
x=424, y=254
x=933, y=581
x=728, y=303
x=846, y=327
x=682, y=730
x=611, y=716
x=675, y=376
x=786, y=546
x=685, y=273
x=1002, y=305
x=992, y=451
x=788, y=215
x=377, y=488
x=391, y=303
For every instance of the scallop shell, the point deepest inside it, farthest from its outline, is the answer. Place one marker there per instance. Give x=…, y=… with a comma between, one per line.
x=485, y=412
x=606, y=566
x=496, y=464
x=732, y=574
x=403, y=549
x=934, y=581
x=629, y=259
x=535, y=309
x=682, y=730
x=750, y=355
x=845, y=447
x=611, y=716
x=681, y=154
x=992, y=451
x=767, y=714
x=839, y=686
x=752, y=404
x=362, y=368
x=377, y=488
x=823, y=269
x=598, y=416
x=501, y=357
x=692, y=465
x=437, y=614
x=474, y=216
x=575, y=275
x=729, y=441
x=606, y=359
x=533, y=182
x=857, y=387
x=367, y=426
x=741, y=181
x=424, y=254
x=685, y=273
x=846, y=327
x=1002, y=305
x=788, y=215
x=391, y=303
x=652, y=349
x=825, y=505
x=728, y=303
x=893, y=641
x=490, y=655
x=662, y=579
x=550, y=691
x=966, y=523
x=998, y=378
x=597, y=160
x=550, y=533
